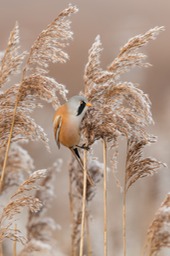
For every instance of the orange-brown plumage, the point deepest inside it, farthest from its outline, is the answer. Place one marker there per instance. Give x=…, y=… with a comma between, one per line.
x=66, y=123
x=68, y=133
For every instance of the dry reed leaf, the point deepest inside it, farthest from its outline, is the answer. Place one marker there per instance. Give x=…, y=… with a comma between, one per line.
x=158, y=235
x=11, y=61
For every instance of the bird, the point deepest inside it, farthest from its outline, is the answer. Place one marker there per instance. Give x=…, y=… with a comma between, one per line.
x=66, y=124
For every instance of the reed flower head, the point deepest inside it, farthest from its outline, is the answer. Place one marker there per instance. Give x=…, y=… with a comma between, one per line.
x=119, y=108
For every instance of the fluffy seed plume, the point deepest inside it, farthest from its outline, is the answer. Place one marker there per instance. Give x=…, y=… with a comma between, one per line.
x=76, y=193
x=42, y=87
x=158, y=235
x=50, y=43
x=48, y=47
x=121, y=105
x=11, y=60
x=25, y=128
x=21, y=199
x=129, y=56
x=19, y=165
x=31, y=183
x=136, y=166
x=40, y=228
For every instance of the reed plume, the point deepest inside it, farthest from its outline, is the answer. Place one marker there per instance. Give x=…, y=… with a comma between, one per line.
x=121, y=105
x=22, y=198
x=94, y=167
x=11, y=59
x=119, y=109
x=40, y=227
x=137, y=166
x=48, y=47
x=20, y=165
x=158, y=234
x=17, y=102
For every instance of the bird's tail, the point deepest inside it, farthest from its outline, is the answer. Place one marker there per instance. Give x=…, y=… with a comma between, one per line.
x=79, y=160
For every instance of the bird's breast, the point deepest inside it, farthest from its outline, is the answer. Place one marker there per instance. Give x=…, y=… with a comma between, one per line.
x=69, y=133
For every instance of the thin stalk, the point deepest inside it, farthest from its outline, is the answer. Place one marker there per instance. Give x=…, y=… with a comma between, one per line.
x=8, y=146
x=105, y=195
x=124, y=220
x=124, y=211
x=10, y=133
x=89, y=246
x=1, y=249
x=15, y=243
x=83, y=204
x=71, y=199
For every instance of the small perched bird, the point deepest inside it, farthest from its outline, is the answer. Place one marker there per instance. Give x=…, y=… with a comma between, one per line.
x=66, y=123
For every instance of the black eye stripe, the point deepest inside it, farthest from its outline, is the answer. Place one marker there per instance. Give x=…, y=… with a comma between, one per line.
x=81, y=108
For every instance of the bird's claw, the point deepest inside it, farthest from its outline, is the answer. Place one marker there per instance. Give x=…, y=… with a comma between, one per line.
x=84, y=147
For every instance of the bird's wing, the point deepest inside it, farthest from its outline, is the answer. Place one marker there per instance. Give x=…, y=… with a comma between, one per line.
x=57, y=126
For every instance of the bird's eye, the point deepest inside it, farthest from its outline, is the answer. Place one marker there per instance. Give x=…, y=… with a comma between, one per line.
x=81, y=107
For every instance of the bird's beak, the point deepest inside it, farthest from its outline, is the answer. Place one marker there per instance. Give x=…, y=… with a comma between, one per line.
x=88, y=104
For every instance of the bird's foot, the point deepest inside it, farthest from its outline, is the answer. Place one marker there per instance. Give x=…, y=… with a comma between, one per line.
x=84, y=147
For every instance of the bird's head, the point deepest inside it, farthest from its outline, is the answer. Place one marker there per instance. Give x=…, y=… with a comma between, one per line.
x=77, y=105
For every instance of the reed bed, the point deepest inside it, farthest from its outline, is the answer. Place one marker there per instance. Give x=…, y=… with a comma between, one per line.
x=119, y=110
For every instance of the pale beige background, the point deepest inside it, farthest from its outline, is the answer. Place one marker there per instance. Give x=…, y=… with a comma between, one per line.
x=116, y=22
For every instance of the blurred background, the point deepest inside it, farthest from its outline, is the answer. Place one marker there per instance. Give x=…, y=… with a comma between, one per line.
x=116, y=22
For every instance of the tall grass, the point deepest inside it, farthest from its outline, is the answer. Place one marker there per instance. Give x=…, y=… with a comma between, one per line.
x=120, y=109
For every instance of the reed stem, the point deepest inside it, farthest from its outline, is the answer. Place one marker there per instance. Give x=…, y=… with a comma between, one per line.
x=15, y=243
x=71, y=199
x=89, y=246
x=83, y=204
x=11, y=132
x=8, y=146
x=105, y=195
x=124, y=220
x=1, y=249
